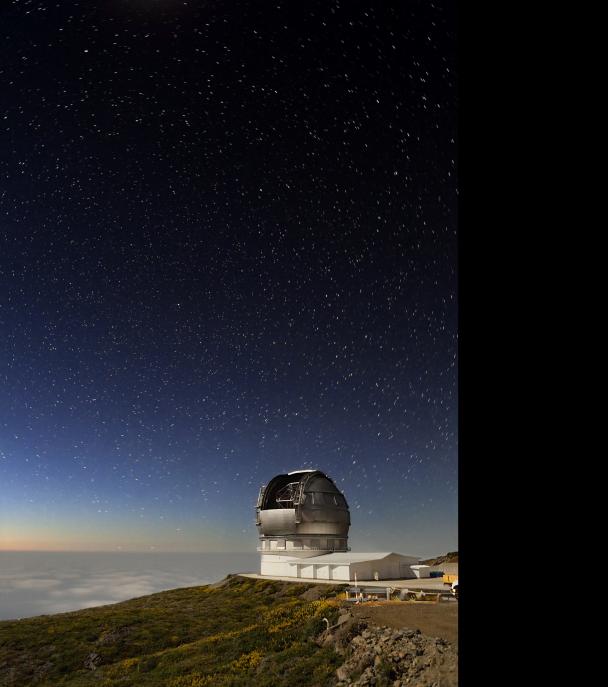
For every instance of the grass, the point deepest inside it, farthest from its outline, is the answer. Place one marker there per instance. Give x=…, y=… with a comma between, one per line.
x=246, y=633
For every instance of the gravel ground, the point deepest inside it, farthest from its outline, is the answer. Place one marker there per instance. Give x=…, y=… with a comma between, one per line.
x=432, y=619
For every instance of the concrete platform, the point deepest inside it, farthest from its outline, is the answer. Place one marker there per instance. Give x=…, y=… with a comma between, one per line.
x=426, y=584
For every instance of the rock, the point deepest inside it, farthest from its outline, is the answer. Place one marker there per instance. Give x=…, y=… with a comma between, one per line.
x=342, y=673
x=113, y=636
x=92, y=661
x=328, y=640
x=415, y=659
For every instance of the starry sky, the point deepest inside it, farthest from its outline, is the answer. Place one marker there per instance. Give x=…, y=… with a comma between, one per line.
x=228, y=249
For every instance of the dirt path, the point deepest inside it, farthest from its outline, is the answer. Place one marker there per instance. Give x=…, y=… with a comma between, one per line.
x=435, y=620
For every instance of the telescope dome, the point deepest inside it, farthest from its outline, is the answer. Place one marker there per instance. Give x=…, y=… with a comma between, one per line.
x=302, y=511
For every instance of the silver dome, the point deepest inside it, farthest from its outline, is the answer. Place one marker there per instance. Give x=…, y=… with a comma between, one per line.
x=303, y=503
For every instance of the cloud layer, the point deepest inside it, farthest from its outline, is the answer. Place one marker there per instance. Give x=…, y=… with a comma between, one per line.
x=67, y=582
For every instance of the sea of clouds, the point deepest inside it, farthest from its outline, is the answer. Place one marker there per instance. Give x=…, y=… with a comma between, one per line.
x=37, y=583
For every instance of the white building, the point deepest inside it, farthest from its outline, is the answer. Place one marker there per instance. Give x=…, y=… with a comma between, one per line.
x=303, y=521
x=341, y=566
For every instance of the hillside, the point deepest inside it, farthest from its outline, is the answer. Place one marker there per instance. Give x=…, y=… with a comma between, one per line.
x=451, y=557
x=238, y=633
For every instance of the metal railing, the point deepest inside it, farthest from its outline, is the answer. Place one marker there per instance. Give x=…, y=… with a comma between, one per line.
x=304, y=548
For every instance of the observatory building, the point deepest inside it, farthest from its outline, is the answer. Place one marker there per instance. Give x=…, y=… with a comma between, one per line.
x=303, y=522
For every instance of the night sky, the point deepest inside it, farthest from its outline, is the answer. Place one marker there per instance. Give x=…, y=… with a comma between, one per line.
x=228, y=249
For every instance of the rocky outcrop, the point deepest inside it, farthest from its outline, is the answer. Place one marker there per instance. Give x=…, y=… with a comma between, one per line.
x=385, y=657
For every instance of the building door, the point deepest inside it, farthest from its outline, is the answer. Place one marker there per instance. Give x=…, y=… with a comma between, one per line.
x=323, y=572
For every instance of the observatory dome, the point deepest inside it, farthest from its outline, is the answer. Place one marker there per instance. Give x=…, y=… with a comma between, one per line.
x=302, y=511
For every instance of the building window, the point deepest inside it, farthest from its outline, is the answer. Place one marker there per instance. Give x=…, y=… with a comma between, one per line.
x=280, y=543
x=297, y=543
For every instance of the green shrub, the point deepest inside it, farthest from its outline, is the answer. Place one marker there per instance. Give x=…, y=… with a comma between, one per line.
x=247, y=633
